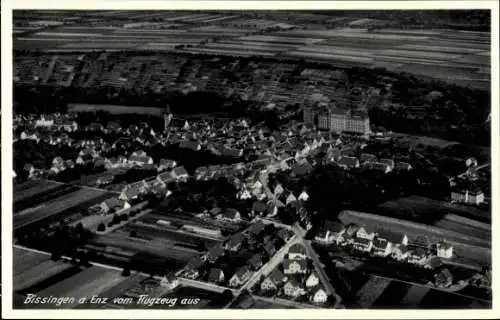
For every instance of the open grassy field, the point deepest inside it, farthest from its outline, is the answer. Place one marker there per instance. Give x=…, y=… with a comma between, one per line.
x=81, y=198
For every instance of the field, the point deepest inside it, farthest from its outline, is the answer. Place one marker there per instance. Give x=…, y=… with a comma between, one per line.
x=446, y=54
x=33, y=188
x=114, y=109
x=381, y=293
x=74, y=201
x=467, y=248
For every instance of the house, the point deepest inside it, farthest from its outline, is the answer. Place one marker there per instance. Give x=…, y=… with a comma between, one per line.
x=45, y=121
x=70, y=164
x=420, y=242
x=418, y=256
x=367, y=157
x=133, y=191
x=348, y=162
x=235, y=242
x=297, y=251
x=215, y=253
x=230, y=214
x=164, y=177
x=140, y=160
x=70, y=126
x=278, y=189
x=257, y=228
x=192, y=270
x=312, y=280
x=273, y=280
x=166, y=164
x=105, y=179
x=284, y=235
x=382, y=247
x=292, y=289
x=240, y=277
x=191, y=145
x=258, y=208
x=400, y=253
x=290, y=199
x=269, y=248
x=216, y=275
x=378, y=166
x=169, y=281
x=388, y=162
x=294, y=266
x=30, y=169
x=331, y=232
x=403, y=166
x=364, y=233
x=319, y=295
x=303, y=196
x=84, y=159
x=302, y=168
x=394, y=237
x=471, y=195
x=58, y=162
x=256, y=261
x=179, y=173
x=363, y=244
x=444, y=278
x=201, y=173
x=444, y=250
x=113, y=205
x=349, y=235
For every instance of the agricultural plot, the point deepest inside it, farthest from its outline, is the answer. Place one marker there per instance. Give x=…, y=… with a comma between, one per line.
x=33, y=188
x=81, y=198
x=27, y=204
x=23, y=260
x=91, y=281
x=372, y=289
x=38, y=273
x=114, y=109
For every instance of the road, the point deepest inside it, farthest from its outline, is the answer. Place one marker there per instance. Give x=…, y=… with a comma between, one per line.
x=205, y=285
x=284, y=302
x=330, y=290
x=85, y=187
x=271, y=264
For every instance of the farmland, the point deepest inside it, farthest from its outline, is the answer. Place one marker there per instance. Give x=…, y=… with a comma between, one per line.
x=114, y=109
x=450, y=55
x=64, y=204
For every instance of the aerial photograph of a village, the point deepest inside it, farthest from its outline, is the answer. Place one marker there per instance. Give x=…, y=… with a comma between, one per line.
x=211, y=159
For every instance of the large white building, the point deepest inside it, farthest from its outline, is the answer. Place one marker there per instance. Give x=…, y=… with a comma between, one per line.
x=337, y=120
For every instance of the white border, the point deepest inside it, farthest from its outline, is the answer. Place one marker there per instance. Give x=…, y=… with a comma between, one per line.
x=8, y=312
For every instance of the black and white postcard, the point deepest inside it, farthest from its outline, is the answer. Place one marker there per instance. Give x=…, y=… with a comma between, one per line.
x=203, y=159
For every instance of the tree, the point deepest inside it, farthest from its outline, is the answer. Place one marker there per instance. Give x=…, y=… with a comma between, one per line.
x=126, y=272
x=101, y=227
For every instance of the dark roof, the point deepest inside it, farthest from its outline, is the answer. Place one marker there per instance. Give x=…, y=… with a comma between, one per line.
x=241, y=271
x=444, y=245
x=235, y=239
x=276, y=276
x=333, y=226
x=256, y=260
x=362, y=241
x=297, y=248
x=421, y=241
x=269, y=248
x=257, y=227
x=348, y=161
x=302, y=168
x=179, y=171
x=380, y=243
x=195, y=263
x=419, y=252
x=391, y=236
x=259, y=206
x=214, y=274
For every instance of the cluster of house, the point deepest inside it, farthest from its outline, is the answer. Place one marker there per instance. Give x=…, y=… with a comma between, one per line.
x=216, y=266
x=294, y=277
x=385, y=243
x=370, y=161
